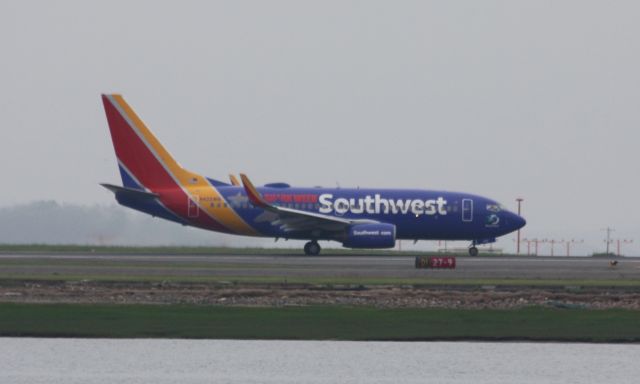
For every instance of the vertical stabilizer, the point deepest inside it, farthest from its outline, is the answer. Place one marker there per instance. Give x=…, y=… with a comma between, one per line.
x=143, y=161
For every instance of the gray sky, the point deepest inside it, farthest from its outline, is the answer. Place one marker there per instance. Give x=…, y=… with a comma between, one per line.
x=538, y=99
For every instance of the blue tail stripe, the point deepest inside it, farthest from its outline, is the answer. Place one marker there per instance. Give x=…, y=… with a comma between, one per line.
x=128, y=181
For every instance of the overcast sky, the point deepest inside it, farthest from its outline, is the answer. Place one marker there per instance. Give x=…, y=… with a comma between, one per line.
x=539, y=99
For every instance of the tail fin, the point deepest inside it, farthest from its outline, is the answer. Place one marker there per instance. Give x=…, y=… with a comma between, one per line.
x=155, y=183
x=144, y=163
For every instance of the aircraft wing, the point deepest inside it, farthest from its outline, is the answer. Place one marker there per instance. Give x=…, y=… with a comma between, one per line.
x=290, y=219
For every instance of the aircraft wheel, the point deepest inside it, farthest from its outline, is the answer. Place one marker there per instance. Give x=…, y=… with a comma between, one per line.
x=473, y=251
x=312, y=248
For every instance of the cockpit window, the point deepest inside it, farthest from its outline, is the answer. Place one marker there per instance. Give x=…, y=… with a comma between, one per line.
x=495, y=207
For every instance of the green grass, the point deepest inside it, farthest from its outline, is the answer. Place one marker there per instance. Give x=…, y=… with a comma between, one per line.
x=164, y=250
x=367, y=281
x=181, y=250
x=313, y=280
x=134, y=276
x=316, y=323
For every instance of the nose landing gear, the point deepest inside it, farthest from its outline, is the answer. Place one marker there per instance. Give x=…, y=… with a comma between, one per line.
x=473, y=250
x=312, y=248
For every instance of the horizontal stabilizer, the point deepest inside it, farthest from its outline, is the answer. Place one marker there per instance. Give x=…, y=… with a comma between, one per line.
x=217, y=183
x=130, y=192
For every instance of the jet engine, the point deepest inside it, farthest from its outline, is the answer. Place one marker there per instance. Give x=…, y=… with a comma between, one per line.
x=374, y=235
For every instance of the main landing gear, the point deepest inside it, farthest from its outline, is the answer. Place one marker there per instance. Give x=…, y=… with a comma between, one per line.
x=312, y=248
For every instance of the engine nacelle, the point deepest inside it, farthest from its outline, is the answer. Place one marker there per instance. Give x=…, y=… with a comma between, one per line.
x=371, y=236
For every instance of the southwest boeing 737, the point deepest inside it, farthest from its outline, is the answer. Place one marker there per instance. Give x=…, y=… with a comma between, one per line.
x=154, y=183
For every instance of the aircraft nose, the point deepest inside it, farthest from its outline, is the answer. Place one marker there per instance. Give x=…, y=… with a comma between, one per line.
x=517, y=221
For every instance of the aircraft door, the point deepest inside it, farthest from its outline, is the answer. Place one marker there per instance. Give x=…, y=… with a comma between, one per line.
x=193, y=208
x=467, y=210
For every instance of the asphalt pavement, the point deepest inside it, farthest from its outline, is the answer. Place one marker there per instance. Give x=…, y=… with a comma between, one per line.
x=78, y=265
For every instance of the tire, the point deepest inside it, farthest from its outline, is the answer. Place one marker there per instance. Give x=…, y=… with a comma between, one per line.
x=312, y=248
x=473, y=252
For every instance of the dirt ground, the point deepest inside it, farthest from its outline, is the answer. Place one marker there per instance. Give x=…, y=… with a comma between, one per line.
x=282, y=295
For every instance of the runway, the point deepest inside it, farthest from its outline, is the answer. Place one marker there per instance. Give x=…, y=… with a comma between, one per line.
x=286, y=266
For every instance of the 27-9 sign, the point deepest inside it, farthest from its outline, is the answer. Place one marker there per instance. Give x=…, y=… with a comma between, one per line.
x=436, y=262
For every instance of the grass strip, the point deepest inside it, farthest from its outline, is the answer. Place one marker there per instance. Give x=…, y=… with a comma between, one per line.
x=317, y=323
x=182, y=250
x=426, y=281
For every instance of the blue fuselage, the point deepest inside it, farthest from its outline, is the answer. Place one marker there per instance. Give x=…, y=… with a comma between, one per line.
x=417, y=214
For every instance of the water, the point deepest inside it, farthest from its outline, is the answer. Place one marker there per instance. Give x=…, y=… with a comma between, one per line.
x=88, y=361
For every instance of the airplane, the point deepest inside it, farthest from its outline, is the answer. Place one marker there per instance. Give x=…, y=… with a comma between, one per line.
x=154, y=183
